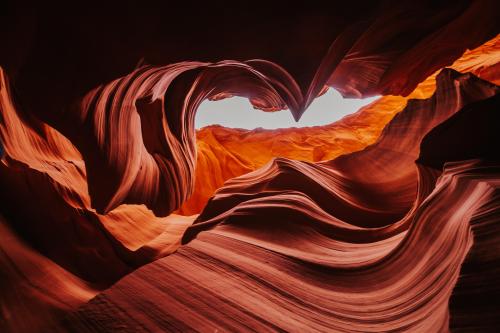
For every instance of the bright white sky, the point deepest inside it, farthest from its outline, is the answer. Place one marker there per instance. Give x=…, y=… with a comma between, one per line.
x=237, y=112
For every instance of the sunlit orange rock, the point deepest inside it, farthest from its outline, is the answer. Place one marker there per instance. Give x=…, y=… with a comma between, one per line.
x=371, y=241
x=72, y=252
x=224, y=153
x=98, y=149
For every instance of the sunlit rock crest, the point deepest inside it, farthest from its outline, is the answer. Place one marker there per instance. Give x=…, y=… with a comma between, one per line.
x=387, y=232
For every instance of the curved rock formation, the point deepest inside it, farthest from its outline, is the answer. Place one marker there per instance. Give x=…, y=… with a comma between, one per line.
x=225, y=153
x=369, y=242
x=50, y=234
x=98, y=149
x=156, y=166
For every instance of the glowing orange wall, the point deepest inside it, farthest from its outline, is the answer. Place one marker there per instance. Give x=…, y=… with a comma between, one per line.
x=224, y=153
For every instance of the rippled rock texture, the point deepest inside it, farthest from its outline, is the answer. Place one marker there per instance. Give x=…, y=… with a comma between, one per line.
x=300, y=246
x=225, y=153
x=384, y=221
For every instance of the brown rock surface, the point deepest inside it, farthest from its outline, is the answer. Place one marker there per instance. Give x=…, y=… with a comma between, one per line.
x=368, y=242
x=99, y=148
x=224, y=153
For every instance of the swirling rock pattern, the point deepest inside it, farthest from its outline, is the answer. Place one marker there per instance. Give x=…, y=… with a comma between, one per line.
x=156, y=166
x=97, y=154
x=58, y=240
x=299, y=246
x=225, y=153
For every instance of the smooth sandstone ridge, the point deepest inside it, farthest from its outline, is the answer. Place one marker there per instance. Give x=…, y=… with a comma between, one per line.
x=333, y=246
x=225, y=153
x=384, y=221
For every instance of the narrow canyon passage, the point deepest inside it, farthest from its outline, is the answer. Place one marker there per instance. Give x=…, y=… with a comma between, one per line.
x=250, y=168
x=306, y=268
x=232, y=139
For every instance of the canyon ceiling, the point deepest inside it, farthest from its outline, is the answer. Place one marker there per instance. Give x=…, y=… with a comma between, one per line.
x=116, y=214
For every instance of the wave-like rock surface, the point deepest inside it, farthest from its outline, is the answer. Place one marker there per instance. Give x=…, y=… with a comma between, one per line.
x=101, y=153
x=368, y=242
x=151, y=109
x=225, y=153
x=57, y=251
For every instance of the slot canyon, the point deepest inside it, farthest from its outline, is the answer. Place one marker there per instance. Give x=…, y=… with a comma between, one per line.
x=347, y=182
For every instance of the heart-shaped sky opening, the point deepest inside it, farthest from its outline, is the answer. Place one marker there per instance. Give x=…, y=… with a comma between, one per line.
x=237, y=112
